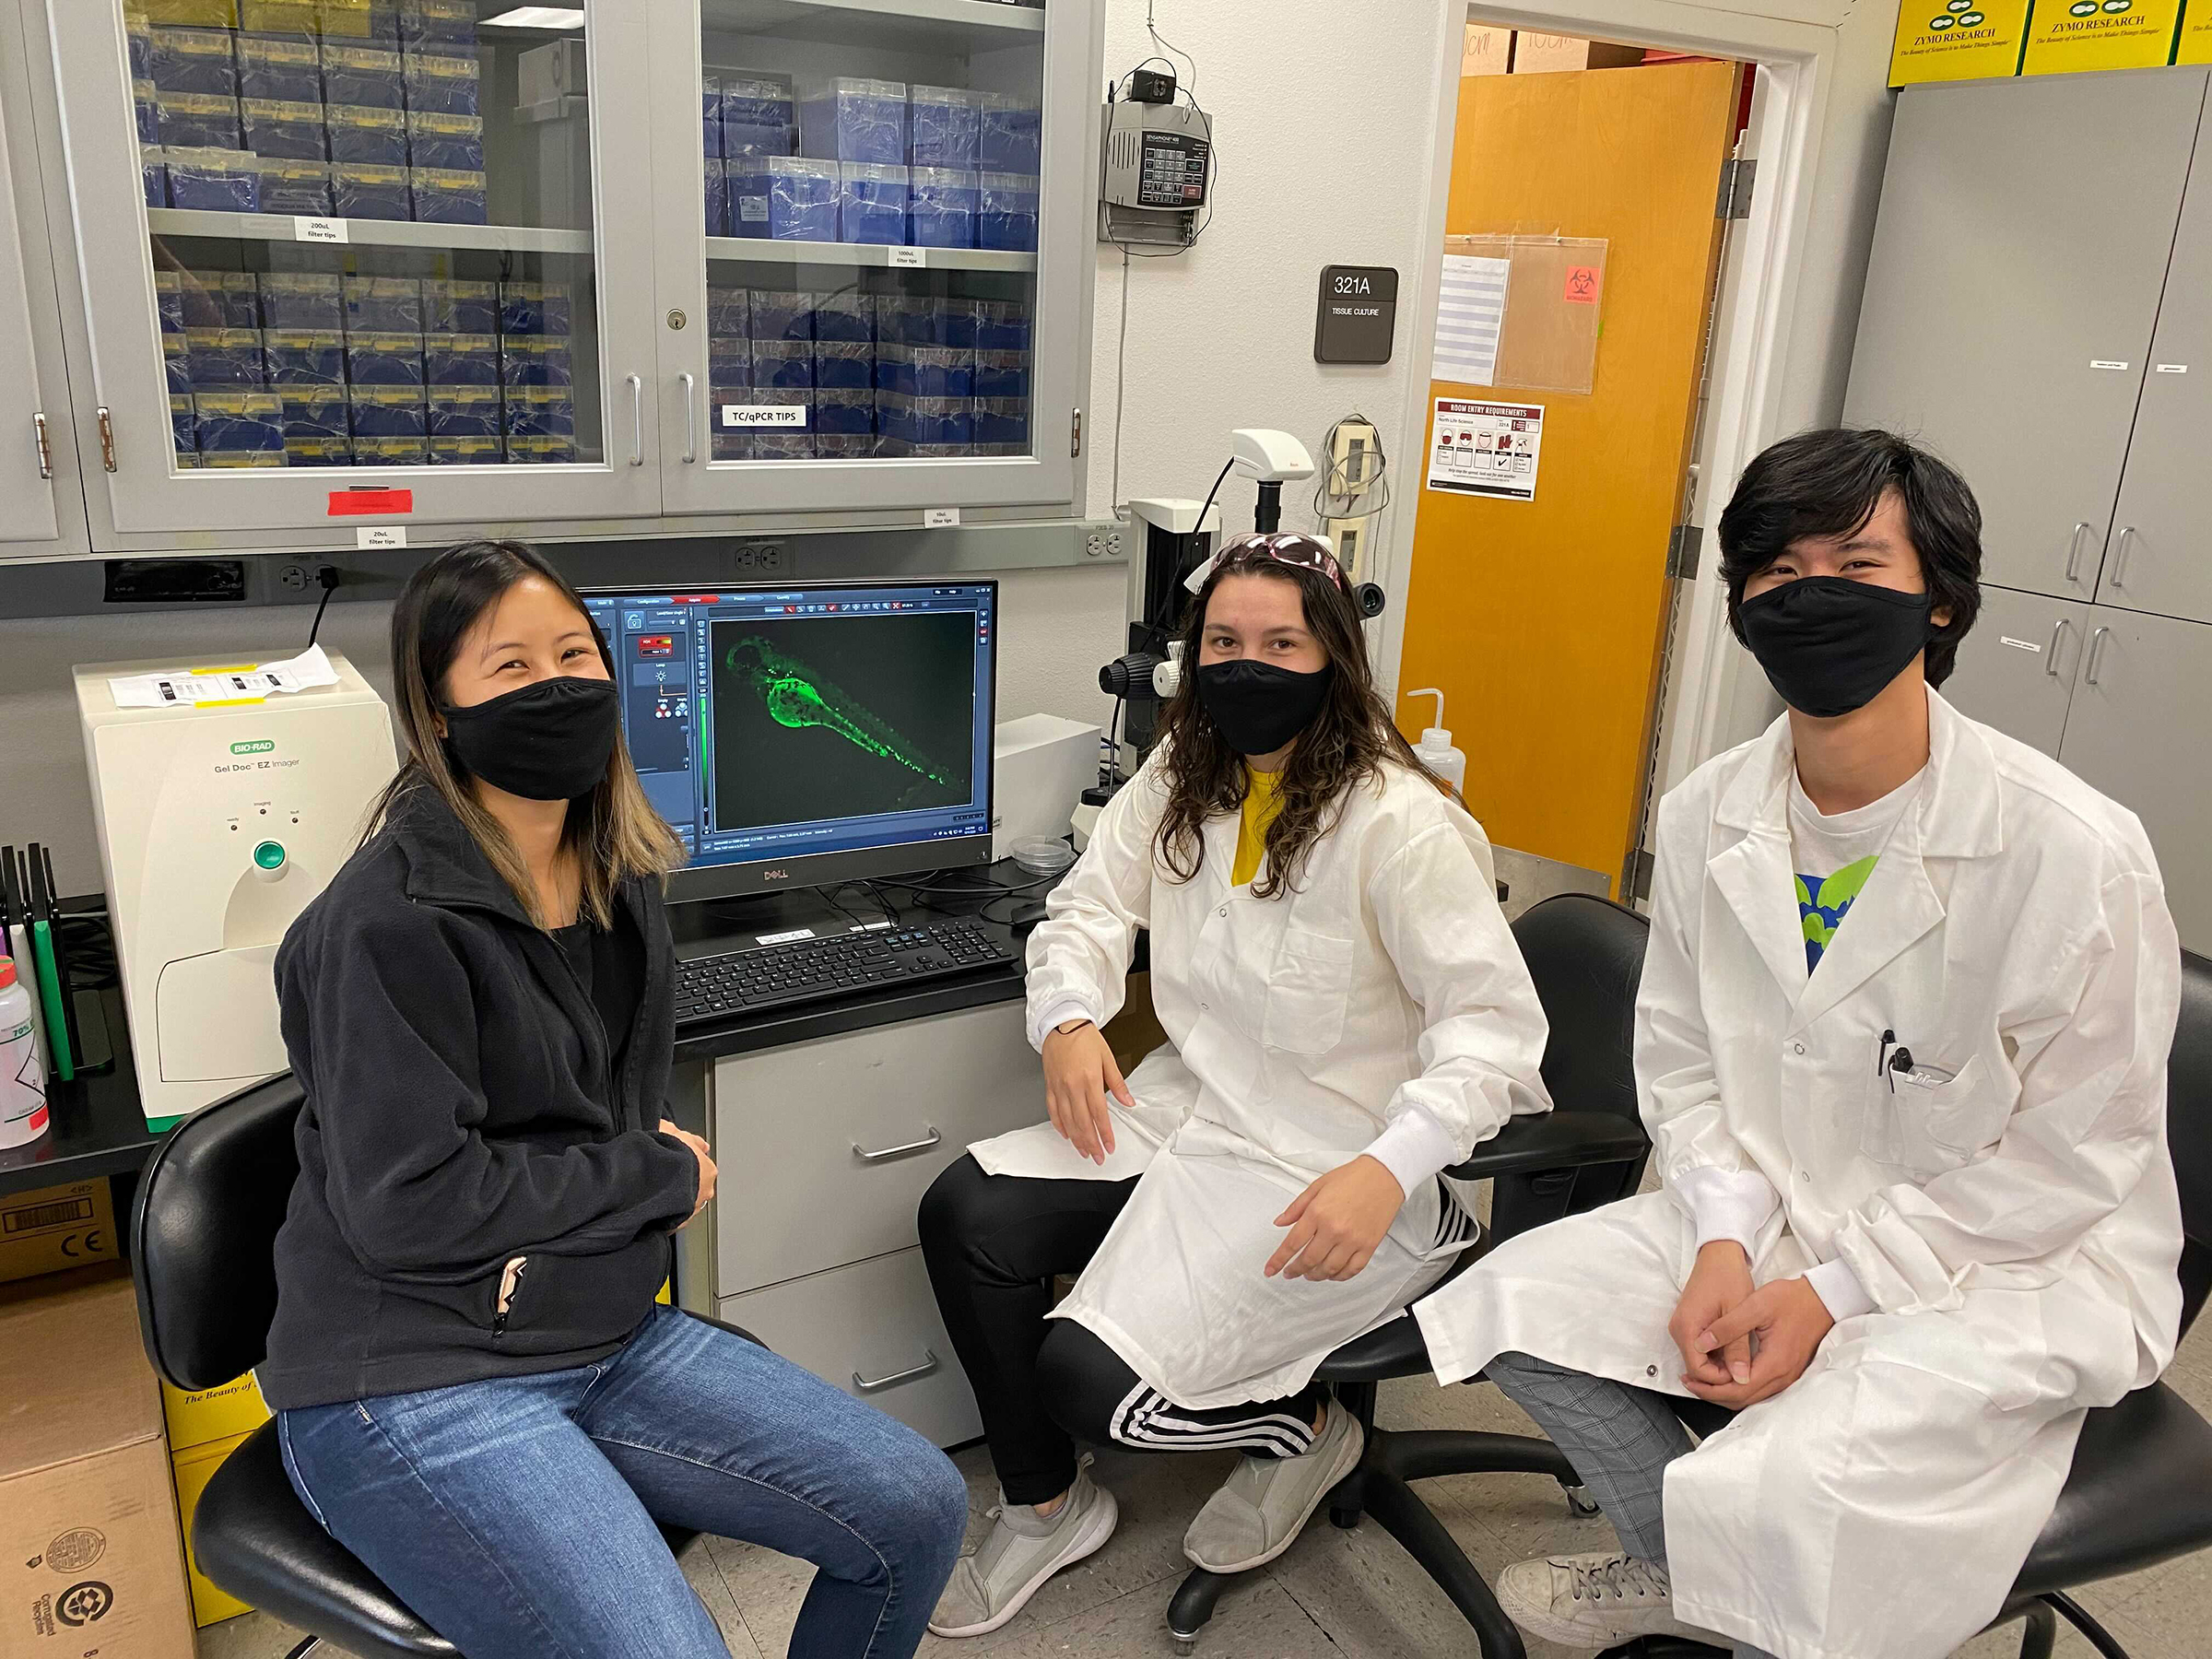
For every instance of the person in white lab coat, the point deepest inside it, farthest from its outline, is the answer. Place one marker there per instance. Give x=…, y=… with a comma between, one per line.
x=1347, y=1015
x=1901, y=1047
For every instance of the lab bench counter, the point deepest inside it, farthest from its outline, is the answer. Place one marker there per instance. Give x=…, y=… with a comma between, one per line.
x=97, y=1125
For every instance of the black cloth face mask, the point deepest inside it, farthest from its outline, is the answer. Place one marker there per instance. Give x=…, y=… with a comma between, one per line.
x=1260, y=707
x=1830, y=644
x=549, y=741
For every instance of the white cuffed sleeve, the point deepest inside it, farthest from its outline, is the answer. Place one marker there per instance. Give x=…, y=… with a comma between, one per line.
x=1435, y=907
x=1839, y=1289
x=1726, y=1203
x=1078, y=957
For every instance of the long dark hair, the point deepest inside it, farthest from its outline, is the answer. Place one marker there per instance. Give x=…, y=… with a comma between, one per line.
x=613, y=833
x=1349, y=743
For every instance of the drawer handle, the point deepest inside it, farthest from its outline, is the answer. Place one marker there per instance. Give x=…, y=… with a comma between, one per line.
x=2127, y=538
x=2057, y=634
x=690, y=418
x=876, y=1384
x=2088, y=676
x=860, y=1152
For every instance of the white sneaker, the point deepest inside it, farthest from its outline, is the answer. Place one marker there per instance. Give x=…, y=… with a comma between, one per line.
x=995, y=1582
x=1258, y=1512
x=1592, y=1601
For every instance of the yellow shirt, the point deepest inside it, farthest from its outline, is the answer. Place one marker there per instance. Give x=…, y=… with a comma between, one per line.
x=1260, y=806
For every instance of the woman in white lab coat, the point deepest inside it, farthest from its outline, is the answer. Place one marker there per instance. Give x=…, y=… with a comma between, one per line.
x=1902, y=1048
x=1347, y=1015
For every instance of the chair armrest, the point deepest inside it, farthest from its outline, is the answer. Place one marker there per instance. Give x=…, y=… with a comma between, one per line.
x=718, y=1324
x=1554, y=1140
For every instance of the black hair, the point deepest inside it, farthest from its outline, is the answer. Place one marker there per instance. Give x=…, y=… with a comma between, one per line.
x=1828, y=482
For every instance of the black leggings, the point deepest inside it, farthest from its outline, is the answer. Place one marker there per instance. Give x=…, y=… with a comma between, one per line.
x=993, y=1244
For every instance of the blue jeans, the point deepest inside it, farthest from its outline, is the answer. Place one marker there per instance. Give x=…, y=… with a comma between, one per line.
x=517, y=1516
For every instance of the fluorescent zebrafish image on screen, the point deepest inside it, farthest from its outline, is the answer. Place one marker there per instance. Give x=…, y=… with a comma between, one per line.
x=796, y=695
x=823, y=719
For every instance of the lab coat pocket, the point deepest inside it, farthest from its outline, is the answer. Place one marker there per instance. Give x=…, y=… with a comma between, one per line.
x=1308, y=988
x=1932, y=1128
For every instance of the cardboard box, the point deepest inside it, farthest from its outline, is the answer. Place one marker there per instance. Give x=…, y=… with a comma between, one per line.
x=191, y=1470
x=90, y=1559
x=1939, y=43
x=213, y=1414
x=2193, y=44
x=1488, y=51
x=52, y=1229
x=2065, y=36
x=1550, y=54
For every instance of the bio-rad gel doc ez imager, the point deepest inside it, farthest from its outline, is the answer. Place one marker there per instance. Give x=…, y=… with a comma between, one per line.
x=219, y=820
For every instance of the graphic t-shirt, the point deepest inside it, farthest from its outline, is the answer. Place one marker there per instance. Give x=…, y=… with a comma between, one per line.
x=1834, y=855
x=1260, y=806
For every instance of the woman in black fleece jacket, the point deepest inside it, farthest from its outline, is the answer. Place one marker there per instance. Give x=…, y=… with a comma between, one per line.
x=476, y=1392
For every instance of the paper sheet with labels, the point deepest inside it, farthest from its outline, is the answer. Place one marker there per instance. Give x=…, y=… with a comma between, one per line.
x=243, y=682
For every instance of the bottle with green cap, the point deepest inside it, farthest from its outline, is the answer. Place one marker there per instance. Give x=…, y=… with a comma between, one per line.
x=22, y=1067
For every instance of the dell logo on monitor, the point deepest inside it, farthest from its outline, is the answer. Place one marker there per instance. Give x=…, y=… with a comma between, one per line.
x=775, y=875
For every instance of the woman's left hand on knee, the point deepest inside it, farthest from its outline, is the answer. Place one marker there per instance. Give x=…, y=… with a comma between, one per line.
x=1338, y=1222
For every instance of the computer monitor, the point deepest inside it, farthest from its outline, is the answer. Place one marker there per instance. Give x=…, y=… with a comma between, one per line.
x=798, y=736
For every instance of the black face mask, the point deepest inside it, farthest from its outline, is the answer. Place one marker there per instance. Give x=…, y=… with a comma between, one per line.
x=549, y=741
x=1830, y=644
x=1259, y=707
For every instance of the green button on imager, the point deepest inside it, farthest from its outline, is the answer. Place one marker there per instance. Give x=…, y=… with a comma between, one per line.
x=269, y=855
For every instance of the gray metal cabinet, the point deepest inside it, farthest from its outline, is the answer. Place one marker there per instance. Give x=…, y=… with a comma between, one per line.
x=826, y=1148
x=2136, y=731
x=2161, y=552
x=38, y=482
x=2015, y=669
x=2018, y=262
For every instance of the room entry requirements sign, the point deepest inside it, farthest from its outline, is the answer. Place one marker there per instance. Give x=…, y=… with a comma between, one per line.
x=1486, y=449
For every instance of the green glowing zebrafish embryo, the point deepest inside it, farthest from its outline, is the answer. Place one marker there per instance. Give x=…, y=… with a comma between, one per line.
x=796, y=697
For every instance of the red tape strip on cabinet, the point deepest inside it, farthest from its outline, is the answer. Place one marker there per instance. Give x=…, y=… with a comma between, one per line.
x=377, y=503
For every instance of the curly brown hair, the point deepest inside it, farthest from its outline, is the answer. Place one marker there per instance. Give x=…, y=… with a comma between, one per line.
x=1349, y=742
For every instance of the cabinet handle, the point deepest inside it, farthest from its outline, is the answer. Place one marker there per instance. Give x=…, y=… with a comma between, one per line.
x=637, y=420
x=876, y=1384
x=38, y=422
x=935, y=1139
x=2120, y=554
x=690, y=419
x=2074, y=550
x=2059, y=632
x=2089, y=674
x=107, y=439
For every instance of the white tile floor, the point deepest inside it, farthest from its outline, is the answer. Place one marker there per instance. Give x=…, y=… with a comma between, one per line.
x=1340, y=1595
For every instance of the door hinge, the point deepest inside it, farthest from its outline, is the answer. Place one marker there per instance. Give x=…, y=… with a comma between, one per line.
x=1682, y=544
x=107, y=439
x=1636, y=877
x=38, y=422
x=1736, y=181
x=1074, y=432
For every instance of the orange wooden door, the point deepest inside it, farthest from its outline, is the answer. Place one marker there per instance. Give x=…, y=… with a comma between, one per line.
x=1543, y=620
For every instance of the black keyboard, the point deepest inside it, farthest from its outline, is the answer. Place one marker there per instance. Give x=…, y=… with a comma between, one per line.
x=806, y=971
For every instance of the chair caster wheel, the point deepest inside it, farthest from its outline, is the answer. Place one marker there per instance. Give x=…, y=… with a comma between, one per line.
x=1579, y=1504
x=1343, y=1520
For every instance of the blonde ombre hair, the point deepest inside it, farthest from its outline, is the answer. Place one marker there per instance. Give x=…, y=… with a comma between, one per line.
x=613, y=833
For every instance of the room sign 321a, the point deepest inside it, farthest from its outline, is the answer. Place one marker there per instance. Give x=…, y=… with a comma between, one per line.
x=1357, y=315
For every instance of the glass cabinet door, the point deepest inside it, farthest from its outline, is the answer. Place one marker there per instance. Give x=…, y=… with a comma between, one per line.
x=873, y=230
x=338, y=247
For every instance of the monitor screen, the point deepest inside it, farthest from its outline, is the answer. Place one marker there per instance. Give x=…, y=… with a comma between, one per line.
x=795, y=736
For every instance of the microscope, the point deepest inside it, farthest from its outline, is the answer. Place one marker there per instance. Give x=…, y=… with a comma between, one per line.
x=1178, y=535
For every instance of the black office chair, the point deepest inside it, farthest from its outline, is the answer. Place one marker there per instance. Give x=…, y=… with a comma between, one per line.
x=2140, y=1491
x=1586, y=957
x=202, y=1252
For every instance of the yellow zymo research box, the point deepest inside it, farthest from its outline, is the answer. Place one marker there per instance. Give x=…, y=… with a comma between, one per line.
x=212, y=1414
x=2195, y=44
x=1957, y=40
x=2068, y=35
x=55, y=1228
x=193, y=1470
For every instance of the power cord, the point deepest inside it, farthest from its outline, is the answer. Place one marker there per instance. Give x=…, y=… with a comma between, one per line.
x=1337, y=485
x=328, y=576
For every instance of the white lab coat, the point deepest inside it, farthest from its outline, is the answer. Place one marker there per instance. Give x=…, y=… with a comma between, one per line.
x=1300, y=1027
x=2016, y=1229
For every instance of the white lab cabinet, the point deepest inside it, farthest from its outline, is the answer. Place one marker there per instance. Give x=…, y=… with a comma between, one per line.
x=45, y=516
x=638, y=398
x=825, y=1148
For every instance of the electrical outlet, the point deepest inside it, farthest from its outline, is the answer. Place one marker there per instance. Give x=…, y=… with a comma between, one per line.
x=293, y=577
x=771, y=557
x=1102, y=541
x=1353, y=460
x=764, y=557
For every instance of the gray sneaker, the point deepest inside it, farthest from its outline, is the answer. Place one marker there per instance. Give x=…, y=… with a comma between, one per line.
x=995, y=1582
x=1594, y=1600
x=1258, y=1512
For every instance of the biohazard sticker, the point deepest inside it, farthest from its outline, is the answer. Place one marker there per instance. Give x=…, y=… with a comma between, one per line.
x=1486, y=449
